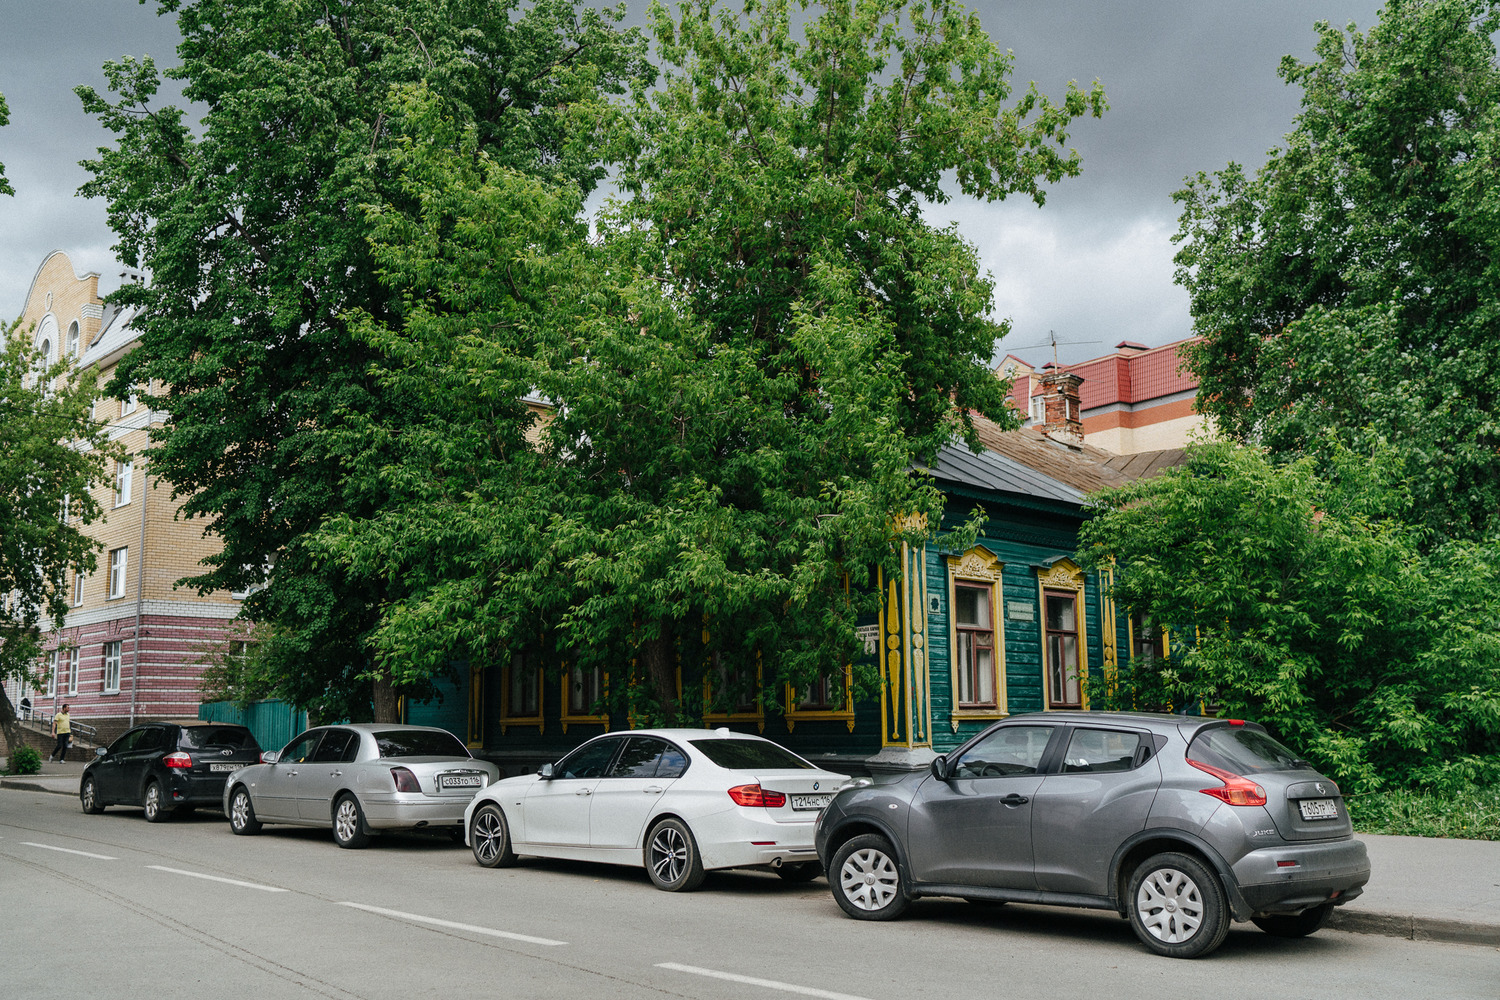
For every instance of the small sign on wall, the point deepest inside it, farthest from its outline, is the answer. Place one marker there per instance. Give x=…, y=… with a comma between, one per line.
x=1020, y=612
x=870, y=636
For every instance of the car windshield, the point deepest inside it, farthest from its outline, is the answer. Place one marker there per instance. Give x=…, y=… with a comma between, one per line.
x=749, y=755
x=203, y=737
x=419, y=743
x=1242, y=750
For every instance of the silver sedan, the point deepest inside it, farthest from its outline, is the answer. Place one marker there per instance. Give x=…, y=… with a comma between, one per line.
x=358, y=780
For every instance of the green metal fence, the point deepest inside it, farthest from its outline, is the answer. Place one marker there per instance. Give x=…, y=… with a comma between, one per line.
x=274, y=723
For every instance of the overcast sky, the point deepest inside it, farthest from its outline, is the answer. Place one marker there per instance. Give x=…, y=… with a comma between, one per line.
x=1191, y=84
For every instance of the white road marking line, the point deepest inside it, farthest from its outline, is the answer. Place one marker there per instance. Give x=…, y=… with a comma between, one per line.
x=215, y=878
x=451, y=925
x=769, y=984
x=64, y=850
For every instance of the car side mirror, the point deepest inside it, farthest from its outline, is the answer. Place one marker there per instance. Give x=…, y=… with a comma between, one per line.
x=940, y=768
x=546, y=772
x=101, y=751
x=270, y=756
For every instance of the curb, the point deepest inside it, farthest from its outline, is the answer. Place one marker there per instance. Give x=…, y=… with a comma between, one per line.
x=1414, y=928
x=29, y=783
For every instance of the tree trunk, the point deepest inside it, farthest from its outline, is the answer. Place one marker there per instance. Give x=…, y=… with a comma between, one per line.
x=659, y=660
x=8, y=723
x=383, y=695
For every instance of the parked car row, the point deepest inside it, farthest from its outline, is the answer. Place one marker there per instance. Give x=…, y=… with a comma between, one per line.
x=1179, y=824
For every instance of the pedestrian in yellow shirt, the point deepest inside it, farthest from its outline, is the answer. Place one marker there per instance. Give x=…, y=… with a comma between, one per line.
x=62, y=728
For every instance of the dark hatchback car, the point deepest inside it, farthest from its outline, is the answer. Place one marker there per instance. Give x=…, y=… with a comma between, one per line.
x=1179, y=824
x=165, y=768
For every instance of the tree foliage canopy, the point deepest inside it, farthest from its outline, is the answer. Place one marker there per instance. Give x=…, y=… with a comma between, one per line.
x=251, y=226
x=1296, y=599
x=1353, y=282
x=739, y=369
x=51, y=456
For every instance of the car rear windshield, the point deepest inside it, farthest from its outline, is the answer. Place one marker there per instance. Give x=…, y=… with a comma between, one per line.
x=1243, y=751
x=203, y=737
x=419, y=743
x=749, y=754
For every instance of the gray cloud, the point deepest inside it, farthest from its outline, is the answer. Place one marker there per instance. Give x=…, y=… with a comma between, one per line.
x=1192, y=85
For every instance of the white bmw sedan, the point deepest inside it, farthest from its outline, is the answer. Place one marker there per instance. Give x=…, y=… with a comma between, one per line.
x=678, y=802
x=358, y=780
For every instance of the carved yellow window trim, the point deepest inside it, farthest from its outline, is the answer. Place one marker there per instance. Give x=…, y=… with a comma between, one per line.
x=977, y=565
x=567, y=716
x=758, y=716
x=794, y=714
x=506, y=674
x=1063, y=575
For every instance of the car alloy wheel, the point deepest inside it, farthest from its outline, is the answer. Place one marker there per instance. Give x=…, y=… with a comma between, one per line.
x=672, y=858
x=866, y=880
x=348, y=823
x=1177, y=906
x=88, y=795
x=489, y=838
x=242, y=813
x=152, y=803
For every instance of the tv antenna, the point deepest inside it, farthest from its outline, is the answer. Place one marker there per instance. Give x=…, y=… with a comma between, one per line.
x=1054, y=343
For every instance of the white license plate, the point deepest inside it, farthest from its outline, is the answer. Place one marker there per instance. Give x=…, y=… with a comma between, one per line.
x=1319, y=809
x=460, y=781
x=224, y=767
x=802, y=802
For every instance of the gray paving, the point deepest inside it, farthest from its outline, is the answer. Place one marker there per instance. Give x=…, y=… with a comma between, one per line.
x=1422, y=889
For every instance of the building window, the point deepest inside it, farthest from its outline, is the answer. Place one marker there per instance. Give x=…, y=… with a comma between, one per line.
x=521, y=691
x=1064, y=662
x=1148, y=641
x=974, y=649
x=830, y=696
x=124, y=472
x=731, y=689
x=73, y=340
x=52, y=674
x=70, y=657
x=79, y=576
x=112, y=667
x=585, y=687
x=117, y=561
x=975, y=636
x=129, y=404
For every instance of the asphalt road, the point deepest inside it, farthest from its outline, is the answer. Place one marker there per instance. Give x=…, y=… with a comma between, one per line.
x=110, y=906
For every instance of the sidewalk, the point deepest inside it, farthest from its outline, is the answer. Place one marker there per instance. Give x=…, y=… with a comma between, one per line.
x=1421, y=889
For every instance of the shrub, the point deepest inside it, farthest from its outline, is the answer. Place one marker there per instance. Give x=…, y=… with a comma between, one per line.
x=25, y=760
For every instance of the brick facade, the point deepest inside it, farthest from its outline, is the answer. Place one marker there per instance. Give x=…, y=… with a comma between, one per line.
x=141, y=642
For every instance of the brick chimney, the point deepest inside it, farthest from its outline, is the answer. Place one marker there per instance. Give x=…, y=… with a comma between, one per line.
x=1062, y=418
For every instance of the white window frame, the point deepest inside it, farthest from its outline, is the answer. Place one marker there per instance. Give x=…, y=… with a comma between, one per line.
x=74, y=339
x=124, y=475
x=79, y=577
x=52, y=674
x=113, y=653
x=73, y=661
x=119, y=566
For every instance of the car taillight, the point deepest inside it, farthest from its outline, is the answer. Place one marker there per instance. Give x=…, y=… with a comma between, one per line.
x=178, y=759
x=1236, y=790
x=405, y=780
x=754, y=795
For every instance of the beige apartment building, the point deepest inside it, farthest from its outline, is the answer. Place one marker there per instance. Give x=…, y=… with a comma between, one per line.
x=134, y=645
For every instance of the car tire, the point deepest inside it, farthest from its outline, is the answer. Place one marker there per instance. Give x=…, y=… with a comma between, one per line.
x=1289, y=925
x=349, y=823
x=672, y=858
x=156, y=810
x=866, y=879
x=88, y=796
x=489, y=838
x=801, y=871
x=242, y=813
x=1177, y=906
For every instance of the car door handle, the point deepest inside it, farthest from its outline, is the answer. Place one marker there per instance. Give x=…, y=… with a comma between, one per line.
x=335, y=774
x=1014, y=800
x=653, y=790
x=292, y=774
x=584, y=791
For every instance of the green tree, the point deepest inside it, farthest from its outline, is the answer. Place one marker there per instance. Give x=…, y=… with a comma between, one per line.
x=742, y=368
x=5, y=187
x=250, y=226
x=51, y=455
x=1351, y=282
x=1298, y=600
